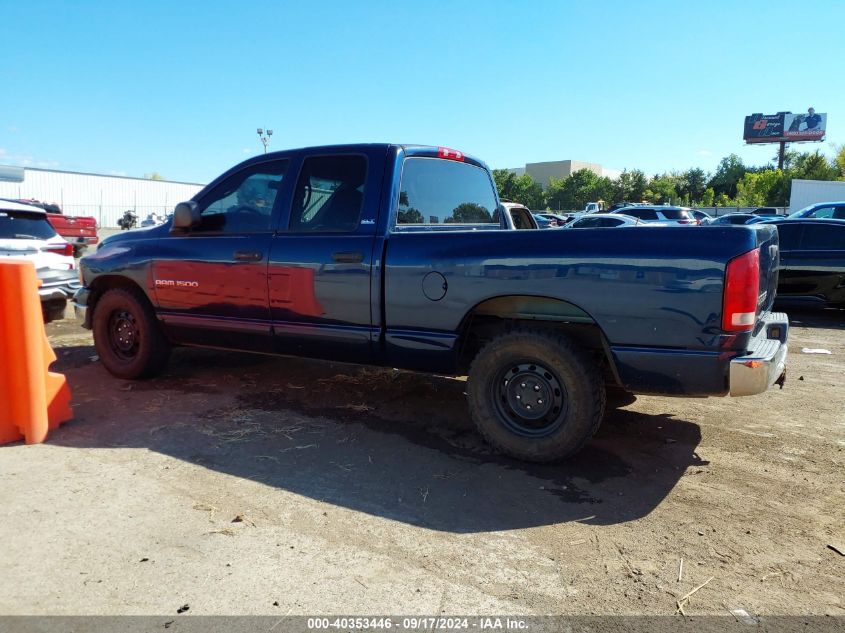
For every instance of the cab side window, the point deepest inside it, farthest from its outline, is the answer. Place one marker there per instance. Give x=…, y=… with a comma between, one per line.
x=329, y=194
x=823, y=212
x=243, y=203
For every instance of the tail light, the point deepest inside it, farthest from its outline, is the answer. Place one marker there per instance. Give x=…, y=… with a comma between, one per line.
x=742, y=287
x=61, y=249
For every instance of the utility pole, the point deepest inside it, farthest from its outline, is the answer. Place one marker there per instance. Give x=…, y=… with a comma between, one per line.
x=265, y=140
x=781, y=152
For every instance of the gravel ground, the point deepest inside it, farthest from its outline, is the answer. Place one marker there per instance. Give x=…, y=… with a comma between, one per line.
x=243, y=484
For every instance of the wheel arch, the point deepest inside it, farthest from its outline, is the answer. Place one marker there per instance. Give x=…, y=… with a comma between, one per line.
x=495, y=315
x=101, y=285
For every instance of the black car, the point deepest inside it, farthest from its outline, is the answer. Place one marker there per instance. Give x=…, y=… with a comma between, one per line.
x=812, y=261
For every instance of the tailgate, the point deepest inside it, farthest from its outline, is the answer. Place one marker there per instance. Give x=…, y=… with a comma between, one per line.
x=767, y=240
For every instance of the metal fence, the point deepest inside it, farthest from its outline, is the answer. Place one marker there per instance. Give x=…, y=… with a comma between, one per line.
x=713, y=211
x=107, y=216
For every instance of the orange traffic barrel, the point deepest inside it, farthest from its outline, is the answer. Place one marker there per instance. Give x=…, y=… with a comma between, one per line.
x=32, y=398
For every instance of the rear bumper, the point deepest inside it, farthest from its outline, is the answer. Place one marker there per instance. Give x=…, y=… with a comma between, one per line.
x=765, y=362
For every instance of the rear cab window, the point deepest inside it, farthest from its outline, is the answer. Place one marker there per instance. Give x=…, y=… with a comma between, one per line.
x=23, y=225
x=439, y=194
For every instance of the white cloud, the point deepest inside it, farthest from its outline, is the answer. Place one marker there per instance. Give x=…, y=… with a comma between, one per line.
x=3, y=152
x=704, y=152
x=246, y=150
x=12, y=129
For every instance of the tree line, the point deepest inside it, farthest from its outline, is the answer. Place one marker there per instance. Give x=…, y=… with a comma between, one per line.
x=732, y=184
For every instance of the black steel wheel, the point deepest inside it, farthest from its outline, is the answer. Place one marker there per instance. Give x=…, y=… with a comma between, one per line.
x=530, y=399
x=535, y=395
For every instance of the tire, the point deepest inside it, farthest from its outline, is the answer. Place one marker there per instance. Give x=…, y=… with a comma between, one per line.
x=127, y=334
x=535, y=395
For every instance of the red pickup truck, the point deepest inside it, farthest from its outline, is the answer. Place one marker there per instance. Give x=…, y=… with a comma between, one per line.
x=78, y=230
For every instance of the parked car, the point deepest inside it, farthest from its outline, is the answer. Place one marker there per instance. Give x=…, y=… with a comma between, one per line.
x=25, y=233
x=834, y=210
x=736, y=218
x=152, y=219
x=622, y=205
x=665, y=214
x=81, y=231
x=608, y=220
x=766, y=211
x=812, y=261
x=392, y=255
x=702, y=217
x=518, y=217
x=556, y=219
x=544, y=223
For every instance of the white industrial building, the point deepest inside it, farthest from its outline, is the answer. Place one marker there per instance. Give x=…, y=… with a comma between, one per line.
x=103, y=197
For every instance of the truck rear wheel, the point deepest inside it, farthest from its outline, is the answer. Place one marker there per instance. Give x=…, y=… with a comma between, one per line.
x=535, y=395
x=127, y=335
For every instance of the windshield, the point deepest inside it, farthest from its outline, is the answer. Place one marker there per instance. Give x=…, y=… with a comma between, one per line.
x=22, y=225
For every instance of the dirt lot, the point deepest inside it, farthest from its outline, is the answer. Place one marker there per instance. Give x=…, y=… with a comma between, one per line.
x=256, y=485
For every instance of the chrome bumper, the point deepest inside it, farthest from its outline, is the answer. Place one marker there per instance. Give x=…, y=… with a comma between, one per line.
x=80, y=312
x=80, y=307
x=765, y=363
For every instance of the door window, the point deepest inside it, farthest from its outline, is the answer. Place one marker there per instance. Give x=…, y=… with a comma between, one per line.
x=329, y=194
x=823, y=238
x=243, y=203
x=788, y=235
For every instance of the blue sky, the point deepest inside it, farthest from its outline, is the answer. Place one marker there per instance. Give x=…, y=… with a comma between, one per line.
x=180, y=87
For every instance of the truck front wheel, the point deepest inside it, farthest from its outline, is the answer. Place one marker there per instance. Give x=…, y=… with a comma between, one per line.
x=127, y=336
x=535, y=395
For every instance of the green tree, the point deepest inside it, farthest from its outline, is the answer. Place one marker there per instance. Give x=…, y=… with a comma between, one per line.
x=410, y=216
x=630, y=187
x=693, y=185
x=469, y=213
x=154, y=176
x=663, y=189
x=577, y=190
x=813, y=166
x=529, y=192
x=839, y=161
x=763, y=188
x=729, y=172
x=505, y=183
x=708, y=197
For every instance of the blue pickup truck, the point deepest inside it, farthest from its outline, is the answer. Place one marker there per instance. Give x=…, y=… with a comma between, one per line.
x=398, y=255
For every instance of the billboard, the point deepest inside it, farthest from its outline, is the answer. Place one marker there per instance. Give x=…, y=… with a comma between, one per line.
x=804, y=127
x=785, y=126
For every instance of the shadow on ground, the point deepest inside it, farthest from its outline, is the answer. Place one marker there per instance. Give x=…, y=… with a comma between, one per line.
x=388, y=443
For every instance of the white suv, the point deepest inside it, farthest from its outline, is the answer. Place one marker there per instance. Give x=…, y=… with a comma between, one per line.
x=25, y=233
x=666, y=214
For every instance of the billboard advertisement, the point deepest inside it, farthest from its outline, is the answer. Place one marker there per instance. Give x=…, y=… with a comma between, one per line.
x=785, y=126
x=804, y=127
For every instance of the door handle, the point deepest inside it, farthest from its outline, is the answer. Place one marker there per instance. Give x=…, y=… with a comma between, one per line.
x=248, y=256
x=348, y=257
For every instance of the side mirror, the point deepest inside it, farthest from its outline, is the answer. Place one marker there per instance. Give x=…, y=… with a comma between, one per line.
x=186, y=215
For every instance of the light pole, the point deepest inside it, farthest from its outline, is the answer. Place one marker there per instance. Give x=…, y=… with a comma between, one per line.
x=264, y=139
